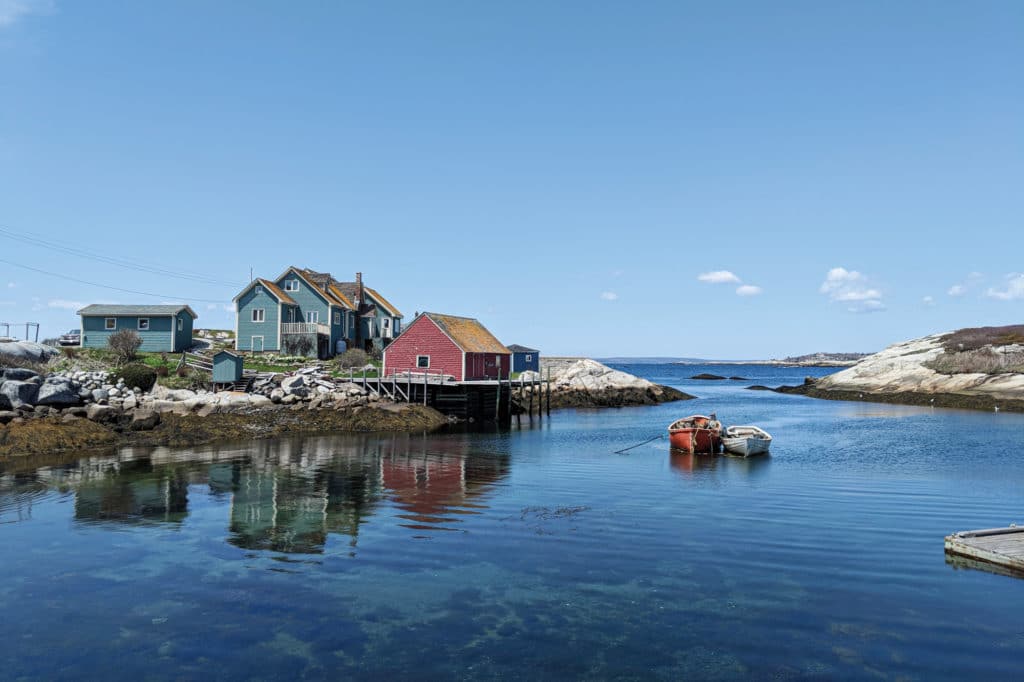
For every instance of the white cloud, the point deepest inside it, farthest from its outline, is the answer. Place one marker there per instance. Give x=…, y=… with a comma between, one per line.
x=609, y=296
x=1014, y=289
x=957, y=290
x=850, y=286
x=13, y=10
x=928, y=300
x=212, y=306
x=719, y=277
x=228, y=308
x=12, y=285
x=748, y=290
x=65, y=305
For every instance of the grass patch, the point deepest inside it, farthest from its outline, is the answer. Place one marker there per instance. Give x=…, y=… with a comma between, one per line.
x=975, y=338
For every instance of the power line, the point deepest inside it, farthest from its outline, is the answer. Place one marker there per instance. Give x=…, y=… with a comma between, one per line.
x=111, y=260
x=105, y=286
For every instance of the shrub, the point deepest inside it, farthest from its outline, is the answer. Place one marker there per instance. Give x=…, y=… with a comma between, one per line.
x=137, y=375
x=298, y=344
x=70, y=352
x=162, y=370
x=353, y=357
x=7, y=360
x=182, y=371
x=978, y=361
x=975, y=338
x=125, y=344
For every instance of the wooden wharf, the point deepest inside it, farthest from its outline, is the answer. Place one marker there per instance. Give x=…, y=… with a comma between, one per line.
x=998, y=549
x=473, y=400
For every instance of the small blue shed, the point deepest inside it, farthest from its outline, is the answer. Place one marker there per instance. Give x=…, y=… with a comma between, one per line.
x=524, y=359
x=227, y=367
x=161, y=327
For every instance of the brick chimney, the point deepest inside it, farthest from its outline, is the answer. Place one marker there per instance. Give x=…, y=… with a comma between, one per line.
x=359, y=289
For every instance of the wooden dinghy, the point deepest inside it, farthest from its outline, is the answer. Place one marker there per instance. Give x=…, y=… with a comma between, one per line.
x=746, y=441
x=695, y=434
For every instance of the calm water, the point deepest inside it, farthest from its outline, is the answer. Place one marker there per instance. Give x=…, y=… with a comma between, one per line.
x=533, y=554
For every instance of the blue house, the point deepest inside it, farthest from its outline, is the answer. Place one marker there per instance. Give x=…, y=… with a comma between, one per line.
x=161, y=327
x=303, y=312
x=524, y=359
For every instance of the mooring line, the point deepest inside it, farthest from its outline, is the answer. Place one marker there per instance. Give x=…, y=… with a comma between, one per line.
x=619, y=452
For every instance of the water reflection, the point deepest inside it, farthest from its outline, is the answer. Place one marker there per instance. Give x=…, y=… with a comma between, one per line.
x=288, y=495
x=696, y=466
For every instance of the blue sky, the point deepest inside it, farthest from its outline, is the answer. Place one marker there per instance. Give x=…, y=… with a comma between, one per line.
x=724, y=180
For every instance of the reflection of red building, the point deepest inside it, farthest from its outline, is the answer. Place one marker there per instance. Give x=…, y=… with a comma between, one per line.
x=434, y=486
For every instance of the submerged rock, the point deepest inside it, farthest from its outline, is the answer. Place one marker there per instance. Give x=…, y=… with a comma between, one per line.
x=708, y=377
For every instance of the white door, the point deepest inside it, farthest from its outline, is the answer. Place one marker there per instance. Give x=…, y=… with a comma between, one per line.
x=257, y=344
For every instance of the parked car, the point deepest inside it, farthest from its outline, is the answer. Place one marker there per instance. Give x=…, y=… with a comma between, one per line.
x=72, y=338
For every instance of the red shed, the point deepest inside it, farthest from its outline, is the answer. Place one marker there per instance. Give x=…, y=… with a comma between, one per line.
x=458, y=346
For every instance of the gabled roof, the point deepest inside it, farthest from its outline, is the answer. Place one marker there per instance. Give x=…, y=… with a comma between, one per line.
x=467, y=333
x=271, y=288
x=392, y=310
x=348, y=292
x=516, y=348
x=318, y=282
x=135, y=310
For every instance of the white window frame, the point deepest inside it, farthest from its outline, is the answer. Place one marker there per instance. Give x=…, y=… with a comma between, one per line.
x=422, y=357
x=337, y=317
x=138, y=324
x=260, y=313
x=258, y=290
x=181, y=324
x=529, y=358
x=385, y=323
x=109, y=324
x=252, y=344
x=291, y=284
x=312, y=317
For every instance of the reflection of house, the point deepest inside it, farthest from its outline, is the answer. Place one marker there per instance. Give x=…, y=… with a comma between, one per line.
x=129, y=495
x=303, y=312
x=460, y=347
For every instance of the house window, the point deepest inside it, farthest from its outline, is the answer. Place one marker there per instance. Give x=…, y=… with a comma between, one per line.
x=110, y=323
x=291, y=285
x=529, y=358
x=423, y=361
x=337, y=318
x=385, y=323
x=181, y=324
x=143, y=324
x=258, y=314
x=258, y=290
x=313, y=316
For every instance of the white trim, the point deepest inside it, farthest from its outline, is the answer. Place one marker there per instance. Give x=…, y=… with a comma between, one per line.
x=138, y=324
x=174, y=333
x=419, y=366
x=286, y=288
x=316, y=319
x=236, y=325
x=280, y=319
x=252, y=343
x=262, y=316
x=252, y=284
x=105, y=327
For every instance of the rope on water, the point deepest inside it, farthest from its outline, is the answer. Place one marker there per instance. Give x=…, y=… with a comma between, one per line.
x=619, y=452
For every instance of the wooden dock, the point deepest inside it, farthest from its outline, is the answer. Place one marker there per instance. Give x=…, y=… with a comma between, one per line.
x=998, y=549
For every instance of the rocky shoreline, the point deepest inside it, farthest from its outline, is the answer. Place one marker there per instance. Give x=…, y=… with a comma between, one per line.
x=908, y=373
x=81, y=410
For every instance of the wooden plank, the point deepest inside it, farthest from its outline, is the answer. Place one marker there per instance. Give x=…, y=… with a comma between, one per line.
x=998, y=546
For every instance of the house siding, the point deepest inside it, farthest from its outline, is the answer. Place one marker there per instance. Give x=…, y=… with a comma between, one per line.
x=155, y=339
x=519, y=363
x=183, y=338
x=485, y=365
x=424, y=337
x=249, y=301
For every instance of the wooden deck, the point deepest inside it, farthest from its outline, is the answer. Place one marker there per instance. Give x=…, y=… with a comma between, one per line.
x=998, y=548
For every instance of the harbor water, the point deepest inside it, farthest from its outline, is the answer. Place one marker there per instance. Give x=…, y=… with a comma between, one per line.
x=532, y=553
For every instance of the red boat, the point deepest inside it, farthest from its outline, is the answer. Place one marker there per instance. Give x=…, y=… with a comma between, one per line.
x=696, y=434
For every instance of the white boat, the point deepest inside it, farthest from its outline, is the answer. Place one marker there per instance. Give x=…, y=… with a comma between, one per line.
x=746, y=440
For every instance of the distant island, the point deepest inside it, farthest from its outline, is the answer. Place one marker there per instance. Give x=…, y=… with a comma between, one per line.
x=823, y=359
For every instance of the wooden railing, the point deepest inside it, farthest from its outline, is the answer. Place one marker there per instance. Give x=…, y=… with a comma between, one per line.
x=305, y=328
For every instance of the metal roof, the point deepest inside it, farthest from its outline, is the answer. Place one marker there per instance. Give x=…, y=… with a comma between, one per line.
x=516, y=348
x=468, y=334
x=135, y=310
